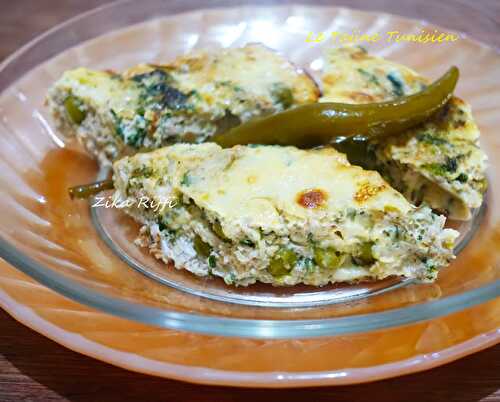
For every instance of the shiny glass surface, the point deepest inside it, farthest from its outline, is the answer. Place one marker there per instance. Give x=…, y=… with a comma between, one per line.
x=53, y=240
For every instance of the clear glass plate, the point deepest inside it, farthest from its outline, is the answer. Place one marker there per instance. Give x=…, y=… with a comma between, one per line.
x=55, y=241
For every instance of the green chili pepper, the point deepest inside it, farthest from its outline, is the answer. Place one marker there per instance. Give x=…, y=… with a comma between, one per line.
x=88, y=190
x=320, y=123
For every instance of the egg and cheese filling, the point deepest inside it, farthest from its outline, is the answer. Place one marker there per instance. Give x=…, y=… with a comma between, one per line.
x=438, y=163
x=188, y=100
x=277, y=215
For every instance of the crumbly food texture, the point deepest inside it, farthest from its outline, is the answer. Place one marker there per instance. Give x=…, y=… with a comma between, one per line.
x=188, y=100
x=235, y=219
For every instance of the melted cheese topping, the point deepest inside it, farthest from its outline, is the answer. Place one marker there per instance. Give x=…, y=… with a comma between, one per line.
x=259, y=185
x=254, y=68
x=278, y=177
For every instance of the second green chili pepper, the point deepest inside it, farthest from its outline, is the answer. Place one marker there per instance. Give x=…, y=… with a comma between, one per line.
x=88, y=190
x=320, y=123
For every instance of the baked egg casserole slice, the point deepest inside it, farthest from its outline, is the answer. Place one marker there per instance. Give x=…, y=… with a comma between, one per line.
x=188, y=100
x=277, y=215
x=438, y=163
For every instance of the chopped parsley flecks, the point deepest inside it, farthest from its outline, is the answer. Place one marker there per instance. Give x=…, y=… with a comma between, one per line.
x=282, y=95
x=431, y=269
x=211, y=261
x=351, y=213
x=310, y=239
x=143, y=171
x=451, y=164
x=397, y=83
x=164, y=228
x=231, y=279
x=161, y=225
x=372, y=78
x=306, y=263
x=397, y=232
x=428, y=138
x=132, y=131
x=158, y=91
x=443, y=169
x=174, y=99
x=435, y=168
x=229, y=84
x=186, y=179
x=247, y=242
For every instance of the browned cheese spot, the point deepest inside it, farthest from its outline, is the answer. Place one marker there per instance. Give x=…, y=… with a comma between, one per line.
x=330, y=79
x=366, y=191
x=251, y=179
x=312, y=198
x=359, y=55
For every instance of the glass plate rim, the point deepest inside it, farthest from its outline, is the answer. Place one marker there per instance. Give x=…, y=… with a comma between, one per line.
x=248, y=328
x=274, y=379
x=224, y=326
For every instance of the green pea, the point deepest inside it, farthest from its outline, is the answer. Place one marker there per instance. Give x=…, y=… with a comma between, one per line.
x=74, y=112
x=201, y=247
x=217, y=228
x=366, y=255
x=328, y=258
x=282, y=263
